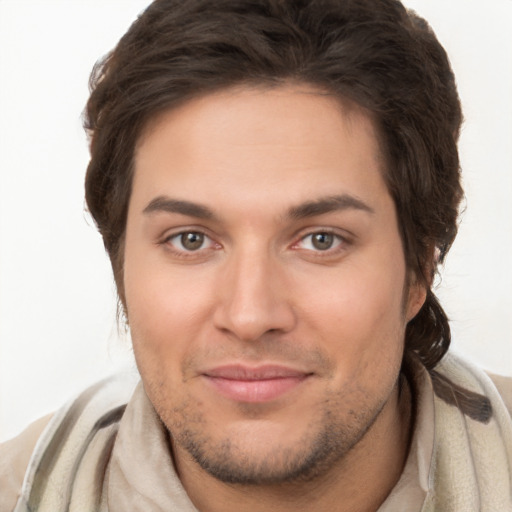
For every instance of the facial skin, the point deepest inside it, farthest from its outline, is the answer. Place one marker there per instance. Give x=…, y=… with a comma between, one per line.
x=266, y=295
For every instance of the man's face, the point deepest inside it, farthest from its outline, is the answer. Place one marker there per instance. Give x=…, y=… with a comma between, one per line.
x=265, y=281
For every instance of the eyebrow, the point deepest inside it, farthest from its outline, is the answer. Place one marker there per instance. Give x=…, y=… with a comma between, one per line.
x=168, y=205
x=301, y=211
x=327, y=205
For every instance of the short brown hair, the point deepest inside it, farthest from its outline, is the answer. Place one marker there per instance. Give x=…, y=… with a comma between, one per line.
x=372, y=52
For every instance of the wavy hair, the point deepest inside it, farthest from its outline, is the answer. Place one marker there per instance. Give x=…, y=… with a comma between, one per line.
x=375, y=53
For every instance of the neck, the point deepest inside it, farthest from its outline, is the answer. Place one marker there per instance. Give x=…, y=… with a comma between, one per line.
x=359, y=482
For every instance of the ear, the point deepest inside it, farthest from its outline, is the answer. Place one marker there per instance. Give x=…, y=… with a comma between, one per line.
x=418, y=287
x=417, y=295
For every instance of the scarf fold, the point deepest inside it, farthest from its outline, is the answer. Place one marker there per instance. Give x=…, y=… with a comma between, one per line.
x=471, y=468
x=66, y=470
x=96, y=456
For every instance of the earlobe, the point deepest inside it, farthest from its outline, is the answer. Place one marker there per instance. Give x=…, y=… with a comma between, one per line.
x=417, y=297
x=420, y=285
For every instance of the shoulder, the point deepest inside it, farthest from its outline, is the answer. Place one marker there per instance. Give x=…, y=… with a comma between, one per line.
x=475, y=392
x=14, y=458
x=75, y=445
x=504, y=386
x=41, y=456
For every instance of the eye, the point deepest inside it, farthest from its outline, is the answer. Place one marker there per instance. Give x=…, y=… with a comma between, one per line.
x=320, y=241
x=190, y=241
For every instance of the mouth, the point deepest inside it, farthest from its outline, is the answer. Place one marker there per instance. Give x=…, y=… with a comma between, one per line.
x=254, y=384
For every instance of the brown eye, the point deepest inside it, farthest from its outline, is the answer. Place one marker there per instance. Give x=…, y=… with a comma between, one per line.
x=322, y=241
x=192, y=241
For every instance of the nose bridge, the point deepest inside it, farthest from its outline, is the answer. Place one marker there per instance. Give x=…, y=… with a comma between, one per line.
x=253, y=299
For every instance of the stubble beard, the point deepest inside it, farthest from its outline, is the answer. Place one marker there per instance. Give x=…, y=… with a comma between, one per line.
x=324, y=445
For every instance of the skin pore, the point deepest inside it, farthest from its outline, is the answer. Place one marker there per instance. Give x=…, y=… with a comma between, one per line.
x=266, y=293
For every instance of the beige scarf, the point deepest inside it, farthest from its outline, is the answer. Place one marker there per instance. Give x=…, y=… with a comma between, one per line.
x=471, y=467
x=89, y=460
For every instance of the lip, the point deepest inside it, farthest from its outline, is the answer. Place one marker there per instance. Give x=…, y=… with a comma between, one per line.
x=254, y=384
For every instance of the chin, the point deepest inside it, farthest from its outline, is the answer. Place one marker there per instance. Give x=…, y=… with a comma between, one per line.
x=259, y=452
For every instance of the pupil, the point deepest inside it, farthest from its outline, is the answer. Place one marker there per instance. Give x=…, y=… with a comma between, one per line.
x=322, y=241
x=192, y=241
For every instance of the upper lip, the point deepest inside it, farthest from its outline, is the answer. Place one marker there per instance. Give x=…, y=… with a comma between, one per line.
x=248, y=373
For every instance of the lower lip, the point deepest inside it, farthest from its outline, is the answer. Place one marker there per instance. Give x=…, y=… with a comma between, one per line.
x=255, y=391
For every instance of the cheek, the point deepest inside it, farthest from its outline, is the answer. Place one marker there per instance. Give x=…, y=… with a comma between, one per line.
x=165, y=312
x=358, y=300
x=163, y=299
x=359, y=316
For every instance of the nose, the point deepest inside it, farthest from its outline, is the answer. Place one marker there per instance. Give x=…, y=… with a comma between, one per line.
x=253, y=298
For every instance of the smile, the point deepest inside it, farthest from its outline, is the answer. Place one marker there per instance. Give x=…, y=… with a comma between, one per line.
x=254, y=385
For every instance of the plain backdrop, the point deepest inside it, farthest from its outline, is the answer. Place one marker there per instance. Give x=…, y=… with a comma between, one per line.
x=58, y=329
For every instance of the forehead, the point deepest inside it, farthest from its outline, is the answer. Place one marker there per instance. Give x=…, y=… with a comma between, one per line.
x=280, y=107
x=252, y=142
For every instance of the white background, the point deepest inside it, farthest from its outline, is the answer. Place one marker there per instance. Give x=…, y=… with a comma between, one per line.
x=57, y=301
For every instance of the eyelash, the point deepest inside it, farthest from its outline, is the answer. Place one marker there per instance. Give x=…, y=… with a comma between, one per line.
x=339, y=243
x=184, y=252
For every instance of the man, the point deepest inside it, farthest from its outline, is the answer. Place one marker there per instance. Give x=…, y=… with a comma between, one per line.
x=275, y=183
